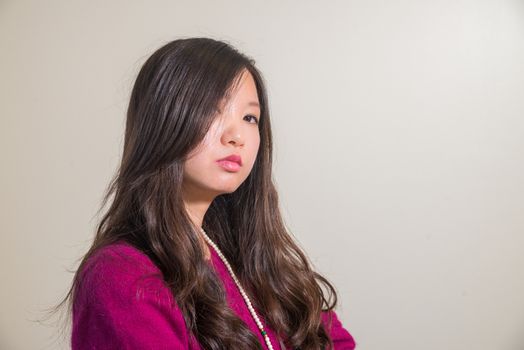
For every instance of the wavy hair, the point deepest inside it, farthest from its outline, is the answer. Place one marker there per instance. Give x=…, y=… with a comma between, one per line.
x=173, y=103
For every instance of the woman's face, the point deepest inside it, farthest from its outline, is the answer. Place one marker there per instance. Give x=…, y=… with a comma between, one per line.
x=234, y=133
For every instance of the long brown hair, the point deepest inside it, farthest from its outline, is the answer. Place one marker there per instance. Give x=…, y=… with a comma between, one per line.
x=172, y=105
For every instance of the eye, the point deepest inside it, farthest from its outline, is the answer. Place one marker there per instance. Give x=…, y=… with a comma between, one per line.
x=252, y=116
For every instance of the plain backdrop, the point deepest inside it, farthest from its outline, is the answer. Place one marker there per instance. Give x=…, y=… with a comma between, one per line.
x=399, y=151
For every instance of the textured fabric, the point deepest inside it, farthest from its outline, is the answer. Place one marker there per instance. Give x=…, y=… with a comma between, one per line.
x=123, y=303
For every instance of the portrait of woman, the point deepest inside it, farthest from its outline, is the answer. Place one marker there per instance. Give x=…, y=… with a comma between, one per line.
x=192, y=252
x=286, y=175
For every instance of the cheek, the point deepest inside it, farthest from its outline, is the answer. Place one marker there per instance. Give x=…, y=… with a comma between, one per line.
x=193, y=167
x=254, y=151
x=257, y=144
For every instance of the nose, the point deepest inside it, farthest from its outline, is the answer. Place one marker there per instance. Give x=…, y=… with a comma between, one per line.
x=233, y=134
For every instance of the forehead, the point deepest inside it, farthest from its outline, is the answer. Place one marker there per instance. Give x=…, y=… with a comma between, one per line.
x=243, y=91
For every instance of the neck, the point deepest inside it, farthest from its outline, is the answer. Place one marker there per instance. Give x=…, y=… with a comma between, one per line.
x=196, y=208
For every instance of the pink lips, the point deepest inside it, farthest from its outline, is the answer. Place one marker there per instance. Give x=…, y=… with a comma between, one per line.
x=231, y=163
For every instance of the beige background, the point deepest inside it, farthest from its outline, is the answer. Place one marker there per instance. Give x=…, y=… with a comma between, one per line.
x=399, y=136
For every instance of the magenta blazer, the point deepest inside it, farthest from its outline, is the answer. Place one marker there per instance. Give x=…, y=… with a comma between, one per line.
x=123, y=303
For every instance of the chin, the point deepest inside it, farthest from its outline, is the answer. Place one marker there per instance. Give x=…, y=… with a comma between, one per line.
x=227, y=185
x=227, y=189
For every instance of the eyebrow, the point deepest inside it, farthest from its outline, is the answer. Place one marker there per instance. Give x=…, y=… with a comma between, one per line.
x=254, y=104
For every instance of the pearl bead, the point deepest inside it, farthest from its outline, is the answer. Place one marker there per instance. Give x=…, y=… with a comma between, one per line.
x=242, y=292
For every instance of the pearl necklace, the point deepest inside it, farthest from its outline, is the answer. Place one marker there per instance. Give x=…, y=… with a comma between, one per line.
x=244, y=295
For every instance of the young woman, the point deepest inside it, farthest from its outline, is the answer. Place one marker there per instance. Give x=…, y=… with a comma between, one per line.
x=193, y=252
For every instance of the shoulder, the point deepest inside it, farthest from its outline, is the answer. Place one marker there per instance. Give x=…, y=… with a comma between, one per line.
x=122, y=302
x=341, y=337
x=120, y=270
x=115, y=254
